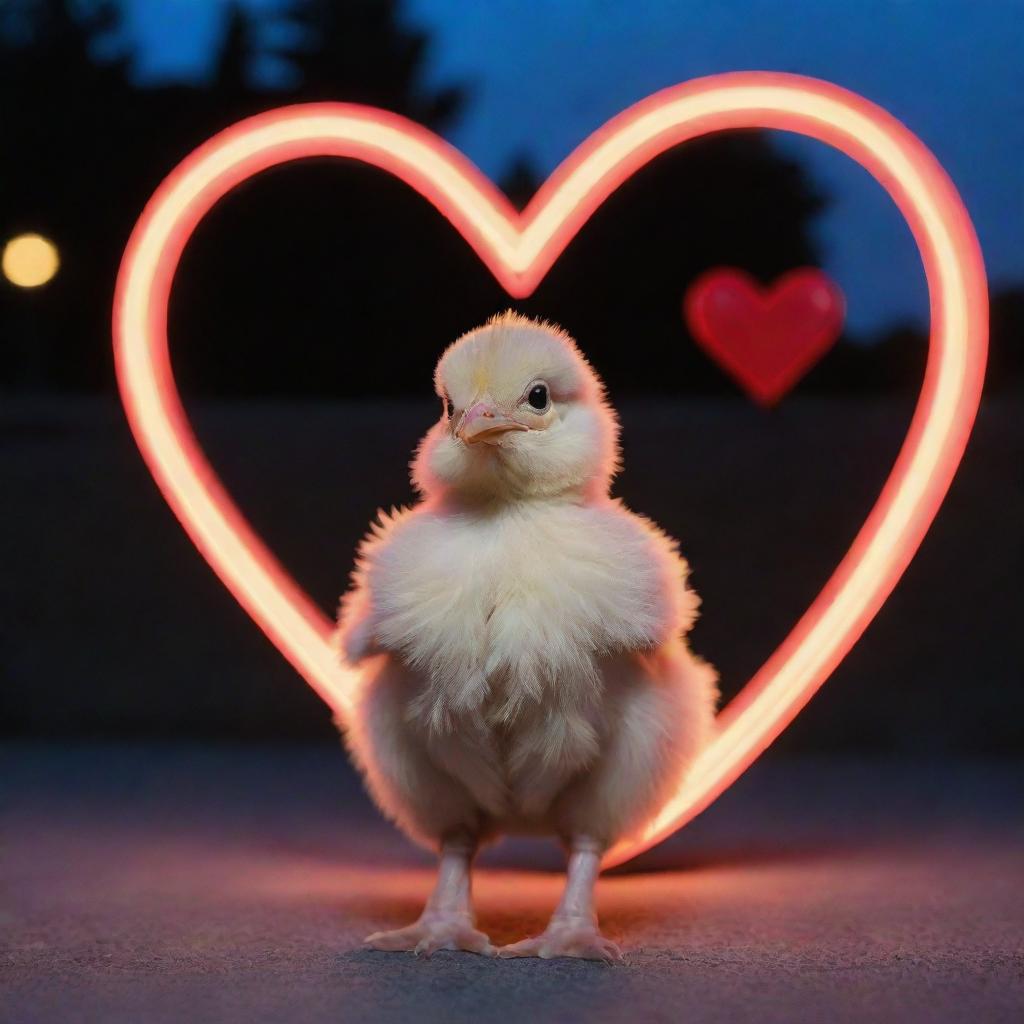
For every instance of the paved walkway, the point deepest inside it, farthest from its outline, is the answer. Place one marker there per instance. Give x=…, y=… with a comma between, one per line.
x=175, y=883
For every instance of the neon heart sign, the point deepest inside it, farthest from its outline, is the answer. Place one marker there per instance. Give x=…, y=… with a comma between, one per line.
x=519, y=249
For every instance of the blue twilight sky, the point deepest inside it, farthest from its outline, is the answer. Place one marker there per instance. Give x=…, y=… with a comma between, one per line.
x=545, y=73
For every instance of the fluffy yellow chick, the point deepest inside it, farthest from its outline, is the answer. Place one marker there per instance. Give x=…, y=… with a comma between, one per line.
x=521, y=637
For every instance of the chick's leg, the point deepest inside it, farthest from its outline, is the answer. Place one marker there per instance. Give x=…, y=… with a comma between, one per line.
x=447, y=921
x=572, y=930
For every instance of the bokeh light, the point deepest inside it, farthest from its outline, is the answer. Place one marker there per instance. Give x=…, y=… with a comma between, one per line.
x=30, y=260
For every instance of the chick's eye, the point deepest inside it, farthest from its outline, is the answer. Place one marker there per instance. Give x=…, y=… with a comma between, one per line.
x=449, y=406
x=538, y=396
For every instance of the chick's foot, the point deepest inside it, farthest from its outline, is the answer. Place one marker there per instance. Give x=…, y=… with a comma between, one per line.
x=436, y=929
x=575, y=937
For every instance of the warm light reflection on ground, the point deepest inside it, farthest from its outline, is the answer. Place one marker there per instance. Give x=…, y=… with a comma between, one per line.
x=513, y=903
x=237, y=885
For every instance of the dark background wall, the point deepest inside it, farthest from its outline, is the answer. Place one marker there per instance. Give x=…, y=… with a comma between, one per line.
x=306, y=318
x=116, y=626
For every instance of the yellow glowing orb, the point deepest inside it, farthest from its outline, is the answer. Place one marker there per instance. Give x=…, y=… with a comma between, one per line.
x=30, y=260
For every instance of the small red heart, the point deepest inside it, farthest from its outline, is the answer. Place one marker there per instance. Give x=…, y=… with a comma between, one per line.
x=767, y=338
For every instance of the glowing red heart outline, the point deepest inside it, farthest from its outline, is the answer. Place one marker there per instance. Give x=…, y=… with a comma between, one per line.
x=519, y=249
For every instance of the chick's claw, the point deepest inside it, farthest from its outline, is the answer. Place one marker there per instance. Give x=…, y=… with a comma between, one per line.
x=433, y=932
x=580, y=939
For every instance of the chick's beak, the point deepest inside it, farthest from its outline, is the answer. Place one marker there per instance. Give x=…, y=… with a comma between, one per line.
x=484, y=421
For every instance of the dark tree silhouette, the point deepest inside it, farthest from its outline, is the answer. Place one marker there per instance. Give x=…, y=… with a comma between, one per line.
x=329, y=277
x=894, y=361
x=726, y=199
x=361, y=51
x=61, y=111
x=238, y=51
x=86, y=148
x=520, y=181
x=1006, y=362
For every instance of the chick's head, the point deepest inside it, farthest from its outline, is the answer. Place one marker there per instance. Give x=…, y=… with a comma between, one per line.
x=523, y=415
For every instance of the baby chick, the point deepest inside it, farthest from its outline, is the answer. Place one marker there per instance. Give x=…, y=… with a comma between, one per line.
x=521, y=637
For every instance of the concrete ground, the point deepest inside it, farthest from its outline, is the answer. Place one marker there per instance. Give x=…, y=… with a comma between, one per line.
x=235, y=883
